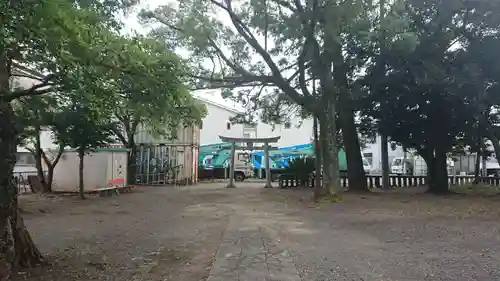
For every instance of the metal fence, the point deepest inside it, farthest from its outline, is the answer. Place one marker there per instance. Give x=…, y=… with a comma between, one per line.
x=165, y=164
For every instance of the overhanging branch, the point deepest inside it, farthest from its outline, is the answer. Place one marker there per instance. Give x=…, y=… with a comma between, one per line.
x=39, y=89
x=278, y=79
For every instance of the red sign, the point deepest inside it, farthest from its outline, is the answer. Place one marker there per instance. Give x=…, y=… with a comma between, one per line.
x=116, y=181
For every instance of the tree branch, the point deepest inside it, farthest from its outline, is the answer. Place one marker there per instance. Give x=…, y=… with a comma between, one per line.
x=119, y=134
x=220, y=54
x=35, y=89
x=278, y=79
x=59, y=154
x=54, y=162
x=30, y=76
x=234, y=82
x=133, y=129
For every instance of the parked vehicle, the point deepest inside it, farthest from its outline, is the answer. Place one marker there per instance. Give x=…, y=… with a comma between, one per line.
x=243, y=169
x=402, y=166
x=492, y=166
x=366, y=166
x=415, y=166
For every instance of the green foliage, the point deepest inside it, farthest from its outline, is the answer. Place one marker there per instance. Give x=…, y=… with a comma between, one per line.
x=436, y=93
x=301, y=168
x=271, y=76
x=136, y=80
x=440, y=95
x=144, y=89
x=84, y=130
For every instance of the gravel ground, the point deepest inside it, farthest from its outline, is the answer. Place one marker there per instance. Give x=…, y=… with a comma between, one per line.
x=167, y=233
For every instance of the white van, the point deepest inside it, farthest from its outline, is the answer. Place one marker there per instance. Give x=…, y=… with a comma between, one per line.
x=415, y=166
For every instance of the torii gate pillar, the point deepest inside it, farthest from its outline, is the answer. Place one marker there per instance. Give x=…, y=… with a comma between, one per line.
x=250, y=145
x=268, y=166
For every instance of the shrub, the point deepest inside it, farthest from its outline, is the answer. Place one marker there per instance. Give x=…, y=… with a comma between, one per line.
x=301, y=168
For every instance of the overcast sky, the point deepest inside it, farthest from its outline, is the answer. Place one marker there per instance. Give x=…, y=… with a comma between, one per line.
x=131, y=22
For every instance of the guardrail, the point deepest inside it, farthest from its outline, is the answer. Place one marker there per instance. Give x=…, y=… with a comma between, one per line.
x=289, y=181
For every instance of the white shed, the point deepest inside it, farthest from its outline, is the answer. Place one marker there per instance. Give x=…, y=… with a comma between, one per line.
x=100, y=166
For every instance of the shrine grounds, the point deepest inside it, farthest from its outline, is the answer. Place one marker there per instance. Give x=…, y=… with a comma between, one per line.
x=251, y=233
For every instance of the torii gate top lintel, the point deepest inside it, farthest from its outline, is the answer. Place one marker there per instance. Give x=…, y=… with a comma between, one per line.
x=253, y=140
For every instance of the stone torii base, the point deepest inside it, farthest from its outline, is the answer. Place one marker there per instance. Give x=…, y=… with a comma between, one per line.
x=250, y=146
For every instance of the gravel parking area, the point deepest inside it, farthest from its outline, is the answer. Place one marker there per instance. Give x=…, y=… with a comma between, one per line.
x=189, y=233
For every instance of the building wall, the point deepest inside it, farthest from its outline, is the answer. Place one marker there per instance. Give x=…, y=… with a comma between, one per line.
x=94, y=172
x=217, y=122
x=185, y=136
x=373, y=149
x=99, y=167
x=295, y=132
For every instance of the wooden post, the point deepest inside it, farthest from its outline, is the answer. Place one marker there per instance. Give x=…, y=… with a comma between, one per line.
x=231, y=168
x=268, y=168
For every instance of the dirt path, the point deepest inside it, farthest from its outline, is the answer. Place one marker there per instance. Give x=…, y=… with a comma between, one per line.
x=167, y=233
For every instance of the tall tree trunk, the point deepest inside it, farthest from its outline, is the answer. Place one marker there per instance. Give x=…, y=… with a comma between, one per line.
x=355, y=169
x=331, y=181
x=430, y=162
x=437, y=172
x=441, y=176
x=81, y=155
x=38, y=160
x=16, y=247
x=477, y=165
x=317, y=160
x=8, y=191
x=325, y=157
x=131, y=162
x=50, y=178
x=51, y=165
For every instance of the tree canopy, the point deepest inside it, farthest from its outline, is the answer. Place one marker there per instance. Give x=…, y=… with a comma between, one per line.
x=438, y=93
x=80, y=61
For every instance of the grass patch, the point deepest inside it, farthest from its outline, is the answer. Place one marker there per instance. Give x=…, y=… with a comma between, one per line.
x=331, y=199
x=476, y=189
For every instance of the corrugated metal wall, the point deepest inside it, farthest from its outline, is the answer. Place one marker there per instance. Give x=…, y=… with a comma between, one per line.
x=185, y=136
x=161, y=160
x=465, y=164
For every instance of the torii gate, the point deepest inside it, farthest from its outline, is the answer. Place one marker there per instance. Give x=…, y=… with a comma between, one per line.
x=250, y=145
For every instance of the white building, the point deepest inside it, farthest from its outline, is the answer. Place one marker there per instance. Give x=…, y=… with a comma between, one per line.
x=25, y=161
x=220, y=111
x=373, y=154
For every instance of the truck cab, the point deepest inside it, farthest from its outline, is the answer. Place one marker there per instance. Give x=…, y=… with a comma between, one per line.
x=402, y=166
x=243, y=167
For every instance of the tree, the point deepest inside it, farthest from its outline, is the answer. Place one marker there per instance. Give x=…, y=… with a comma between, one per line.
x=85, y=132
x=36, y=114
x=425, y=100
x=150, y=95
x=482, y=78
x=50, y=36
x=282, y=46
